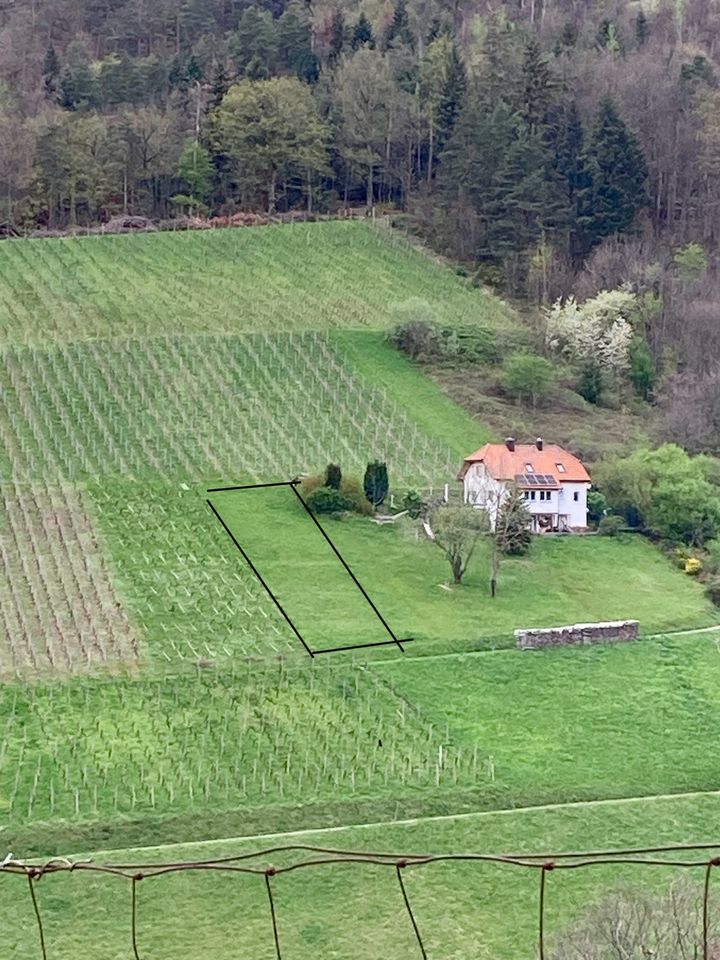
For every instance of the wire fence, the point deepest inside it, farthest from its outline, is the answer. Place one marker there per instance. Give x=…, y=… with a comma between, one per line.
x=134, y=874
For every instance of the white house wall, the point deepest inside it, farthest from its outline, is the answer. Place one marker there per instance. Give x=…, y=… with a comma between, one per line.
x=482, y=491
x=575, y=509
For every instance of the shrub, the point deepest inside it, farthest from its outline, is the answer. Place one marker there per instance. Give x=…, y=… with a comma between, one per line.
x=597, y=505
x=529, y=377
x=513, y=532
x=414, y=504
x=333, y=476
x=352, y=490
x=693, y=566
x=712, y=590
x=611, y=525
x=590, y=383
x=327, y=500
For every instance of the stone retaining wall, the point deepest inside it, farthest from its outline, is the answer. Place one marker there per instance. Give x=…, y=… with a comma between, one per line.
x=578, y=634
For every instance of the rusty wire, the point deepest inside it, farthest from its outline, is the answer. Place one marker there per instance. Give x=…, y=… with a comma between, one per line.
x=327, y=856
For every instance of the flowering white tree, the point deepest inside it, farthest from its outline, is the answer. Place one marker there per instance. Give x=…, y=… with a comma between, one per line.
x=596, y=332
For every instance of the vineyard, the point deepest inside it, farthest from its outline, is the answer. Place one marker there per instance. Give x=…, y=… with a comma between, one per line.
x=200, y=407
x=307, y=276
x=150, y=691
x=92, y=749
x=59, y=611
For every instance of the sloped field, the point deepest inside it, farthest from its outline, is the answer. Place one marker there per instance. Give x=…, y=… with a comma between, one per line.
x=313, y=276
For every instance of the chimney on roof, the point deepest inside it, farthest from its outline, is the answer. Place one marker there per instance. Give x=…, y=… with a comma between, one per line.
x=539, y=443
x=510, y=444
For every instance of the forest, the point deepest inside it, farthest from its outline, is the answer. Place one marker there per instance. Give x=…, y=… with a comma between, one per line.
x=549, y=147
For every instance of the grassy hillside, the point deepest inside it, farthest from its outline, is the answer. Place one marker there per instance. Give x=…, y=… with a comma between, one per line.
x=310, y=276
x=138, y=371
x=261, y=749
x=465, y=911
x=562, y=580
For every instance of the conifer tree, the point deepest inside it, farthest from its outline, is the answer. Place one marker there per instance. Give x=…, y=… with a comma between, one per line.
x=536, y=92
x=528, y=199
x=619, y=176
x=375, y=482
x=398, y=32
x=642, y=29
x=571, y=163
x=51, y=72
x=337, y=35
x=452, y=97
x=362, y=34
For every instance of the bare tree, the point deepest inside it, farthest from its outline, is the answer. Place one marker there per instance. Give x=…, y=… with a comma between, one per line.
x=635, y=925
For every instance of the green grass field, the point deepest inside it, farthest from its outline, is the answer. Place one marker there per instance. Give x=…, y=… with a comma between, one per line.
x=464, y=911
x=151, y=692
x=312, y=276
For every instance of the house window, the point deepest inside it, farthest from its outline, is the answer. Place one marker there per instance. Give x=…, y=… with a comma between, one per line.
x=532, y=494
x=529, y=468
x=576, y=496
x=560, y=468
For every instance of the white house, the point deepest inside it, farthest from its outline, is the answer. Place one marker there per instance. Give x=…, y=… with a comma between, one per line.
x=553, y=482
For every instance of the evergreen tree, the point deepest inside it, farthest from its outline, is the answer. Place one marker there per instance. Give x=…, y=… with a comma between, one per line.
x=375, y=482
x=536, y=93
x=193, y=71
x=362, y=34
x=571, y=164
x=452, y=98
x=642, y=30
x=333, y=476
x=398, y=32
x=51, y=72
x=337, y=35
x=619, y=176
x=219, y=86
x=529, y=201
x=567, y=39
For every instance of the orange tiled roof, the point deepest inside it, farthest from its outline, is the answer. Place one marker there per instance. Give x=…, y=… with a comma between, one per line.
x=504, y=464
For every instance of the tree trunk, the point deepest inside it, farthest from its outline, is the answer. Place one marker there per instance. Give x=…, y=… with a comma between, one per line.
x=271, y=193
x=431, y=145
x=369, y=199
x=493, y=587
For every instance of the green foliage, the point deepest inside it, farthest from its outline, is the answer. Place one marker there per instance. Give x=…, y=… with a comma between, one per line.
x=271, y=130
x=362, y=33
x=611, y=525
x=529, y=377
x=665, y=491
x=597, y=505
x=690, y=261
x=642, y=373
x=619, y=175
x=195, y=169
x=375, y=482
x=415, y=505
x=333, y=476
x=590, y=383
x=327, y=500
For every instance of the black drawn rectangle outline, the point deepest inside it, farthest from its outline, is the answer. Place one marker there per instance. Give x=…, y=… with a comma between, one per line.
x=293, y=485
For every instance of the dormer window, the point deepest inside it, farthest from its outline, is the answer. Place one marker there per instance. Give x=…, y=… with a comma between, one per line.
x=560, y=468
x=529, y=468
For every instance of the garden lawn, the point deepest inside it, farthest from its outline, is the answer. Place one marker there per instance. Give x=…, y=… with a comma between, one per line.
x=465, y=911
x=562, y=580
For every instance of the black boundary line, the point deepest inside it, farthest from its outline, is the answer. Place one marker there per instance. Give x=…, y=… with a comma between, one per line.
x=293, y=484
x=252, y=486
x=293, y=487
x=363, y=646
x=257, y=574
